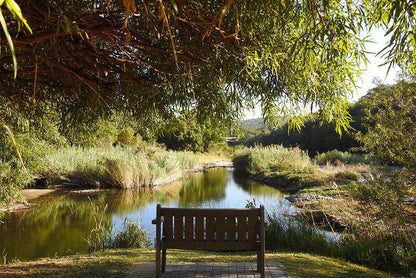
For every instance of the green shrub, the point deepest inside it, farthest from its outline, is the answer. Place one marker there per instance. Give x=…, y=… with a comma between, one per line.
x=336, y=157
x=127, y=137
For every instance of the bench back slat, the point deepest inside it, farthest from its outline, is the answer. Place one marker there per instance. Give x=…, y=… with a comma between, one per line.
x=252, y=228
x=199, y=228
x=242, y=228
x=189, y=228
x=210, y=225
x=231, y=228
x=220, y=228
x=210, y=228
x=178, y=227
x=168, y=227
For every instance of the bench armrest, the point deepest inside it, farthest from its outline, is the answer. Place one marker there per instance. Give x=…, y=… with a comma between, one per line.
x=154, y=221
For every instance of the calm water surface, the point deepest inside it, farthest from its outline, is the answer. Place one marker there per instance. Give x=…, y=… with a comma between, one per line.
x=59, y=222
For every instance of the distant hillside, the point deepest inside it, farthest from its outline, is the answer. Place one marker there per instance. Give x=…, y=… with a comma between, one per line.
x=255, y=123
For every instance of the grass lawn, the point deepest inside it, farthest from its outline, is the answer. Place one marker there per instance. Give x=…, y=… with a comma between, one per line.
x=117, y=263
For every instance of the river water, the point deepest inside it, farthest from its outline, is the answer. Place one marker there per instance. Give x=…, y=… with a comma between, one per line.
x=59, y=222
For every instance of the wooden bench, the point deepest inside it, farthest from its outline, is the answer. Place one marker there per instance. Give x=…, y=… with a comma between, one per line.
x=209, y=229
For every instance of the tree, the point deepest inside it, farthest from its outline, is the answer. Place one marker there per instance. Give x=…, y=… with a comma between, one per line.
x=390, y=120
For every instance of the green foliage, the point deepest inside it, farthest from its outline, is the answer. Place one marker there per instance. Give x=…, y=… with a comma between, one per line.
x=12, y=179
x=336, y=157
x=185, y=132
x=396, y=18
x=390, y=119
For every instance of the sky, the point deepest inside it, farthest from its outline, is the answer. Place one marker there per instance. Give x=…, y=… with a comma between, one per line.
x=372, y=71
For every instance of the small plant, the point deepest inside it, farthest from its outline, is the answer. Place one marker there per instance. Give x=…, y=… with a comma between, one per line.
x=132, y=236
x=251, y=203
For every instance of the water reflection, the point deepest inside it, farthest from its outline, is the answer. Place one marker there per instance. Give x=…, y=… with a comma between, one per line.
x=60, y=221
x=202, y=188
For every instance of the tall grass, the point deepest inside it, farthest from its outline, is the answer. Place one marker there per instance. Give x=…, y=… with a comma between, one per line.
x=122, y=167
x=273, y=158
x=389, y=253
x=102, y=236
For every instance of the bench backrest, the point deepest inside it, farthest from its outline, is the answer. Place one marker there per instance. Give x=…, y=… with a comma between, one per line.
x=213, y=229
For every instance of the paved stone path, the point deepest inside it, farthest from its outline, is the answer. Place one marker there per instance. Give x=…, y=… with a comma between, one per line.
x=206, y=270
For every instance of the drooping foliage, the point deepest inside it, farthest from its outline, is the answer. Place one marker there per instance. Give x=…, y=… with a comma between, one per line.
x=155, y=57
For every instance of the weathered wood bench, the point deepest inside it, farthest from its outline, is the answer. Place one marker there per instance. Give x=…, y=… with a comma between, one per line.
x=209, y=229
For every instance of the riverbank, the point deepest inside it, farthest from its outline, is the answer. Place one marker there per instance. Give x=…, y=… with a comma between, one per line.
x=119, y=262
x=29, y=194
x=125, y=167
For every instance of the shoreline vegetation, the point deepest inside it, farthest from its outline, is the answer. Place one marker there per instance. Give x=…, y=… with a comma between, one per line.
x=370, y=209
x=123, y=167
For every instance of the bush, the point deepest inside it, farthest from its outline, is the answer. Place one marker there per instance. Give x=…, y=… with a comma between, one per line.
x=132, y=236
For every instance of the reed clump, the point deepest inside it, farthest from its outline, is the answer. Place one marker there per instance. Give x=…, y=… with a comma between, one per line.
x=273, y=158
x=119, y=166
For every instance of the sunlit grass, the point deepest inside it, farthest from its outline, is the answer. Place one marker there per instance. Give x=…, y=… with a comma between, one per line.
x=117, y=263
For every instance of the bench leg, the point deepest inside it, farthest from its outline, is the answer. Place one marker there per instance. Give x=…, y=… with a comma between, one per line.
x=260, y=263
x=157, y=259
x=163, y=257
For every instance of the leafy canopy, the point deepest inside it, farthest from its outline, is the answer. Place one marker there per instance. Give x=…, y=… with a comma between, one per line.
x=214, y=57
